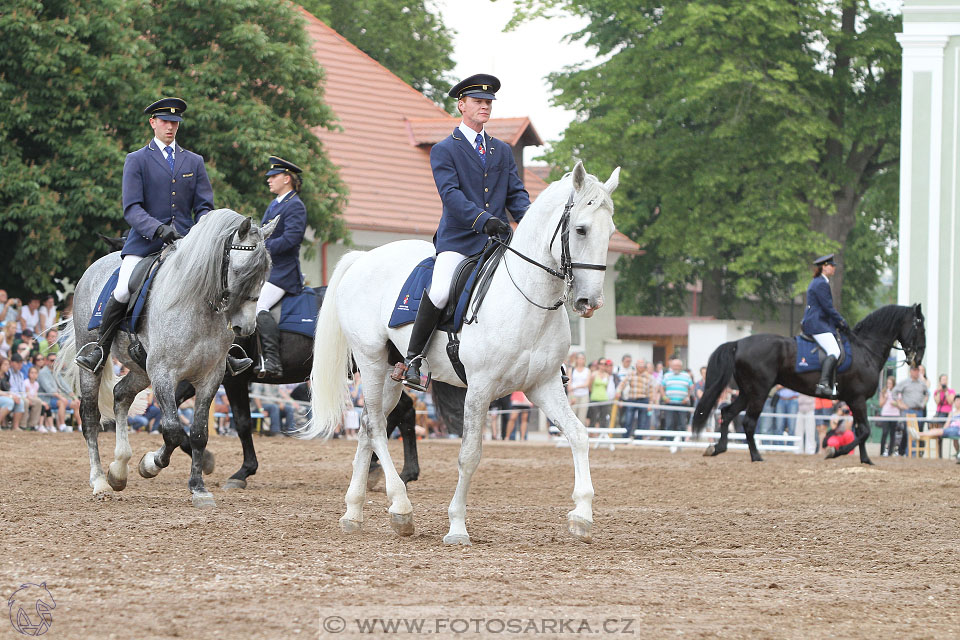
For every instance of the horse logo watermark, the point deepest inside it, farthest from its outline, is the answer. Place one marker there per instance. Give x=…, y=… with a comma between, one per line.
x=30, y=607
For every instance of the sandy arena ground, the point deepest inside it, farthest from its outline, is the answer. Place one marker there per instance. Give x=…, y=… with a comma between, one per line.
x=795, y=547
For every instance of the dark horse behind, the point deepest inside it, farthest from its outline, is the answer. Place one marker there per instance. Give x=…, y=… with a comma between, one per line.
x=759, y=362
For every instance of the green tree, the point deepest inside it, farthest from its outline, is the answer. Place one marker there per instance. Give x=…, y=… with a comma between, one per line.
x=408, y=38
x=751, y=133
x=74, y=79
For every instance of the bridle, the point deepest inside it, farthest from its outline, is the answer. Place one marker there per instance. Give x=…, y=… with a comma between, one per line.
x=567, y=265
x=225, y=295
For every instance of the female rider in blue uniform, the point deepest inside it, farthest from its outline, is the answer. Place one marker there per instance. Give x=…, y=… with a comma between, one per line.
x=821, y=319
x=284, y=181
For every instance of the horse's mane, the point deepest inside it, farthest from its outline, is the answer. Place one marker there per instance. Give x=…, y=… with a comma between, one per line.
x=196, y=263
x=886, y=320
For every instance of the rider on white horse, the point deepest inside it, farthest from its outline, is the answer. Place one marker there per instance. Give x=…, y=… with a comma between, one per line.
x=478, y=181
x=165, y=191
x=821, y=319
x=284, y=181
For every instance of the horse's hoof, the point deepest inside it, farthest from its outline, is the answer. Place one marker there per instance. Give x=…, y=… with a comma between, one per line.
x=116, y=482
x=402, y=523
x=147, y=467
x=831, y=453
x=101, y=489
x=580, y=528
x=869, y=462
x=457, y=538
x=710, y=451
x=756, y=459
x=350, y=526
x=373, y=479
x=209, y=462
x=235, y=483
x=203, y=500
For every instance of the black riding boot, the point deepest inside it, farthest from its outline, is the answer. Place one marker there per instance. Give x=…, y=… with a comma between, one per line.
x=828, y=378
x=423, y=327
x=237, y=366
x=94, y=357
x=269, y=345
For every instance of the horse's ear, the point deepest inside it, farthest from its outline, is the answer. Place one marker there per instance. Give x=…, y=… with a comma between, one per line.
x=268, y=228
x=244, y=228
x=579, y=176
x=613, y=181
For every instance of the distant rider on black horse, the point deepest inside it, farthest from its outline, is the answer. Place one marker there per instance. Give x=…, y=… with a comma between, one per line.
x=284, y=181
x=821, y=319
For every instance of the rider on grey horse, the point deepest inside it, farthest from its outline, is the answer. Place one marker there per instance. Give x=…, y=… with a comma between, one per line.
x=165, y=191
x=477, y=178
x=285, y=182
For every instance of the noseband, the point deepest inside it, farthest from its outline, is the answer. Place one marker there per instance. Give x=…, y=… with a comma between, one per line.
x=566, y=262
x=224, y=300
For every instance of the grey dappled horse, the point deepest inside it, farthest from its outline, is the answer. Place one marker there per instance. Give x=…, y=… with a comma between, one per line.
x=203, y=295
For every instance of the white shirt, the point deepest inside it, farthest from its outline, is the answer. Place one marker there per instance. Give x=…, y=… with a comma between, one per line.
x=471, y=135
x=161, y=146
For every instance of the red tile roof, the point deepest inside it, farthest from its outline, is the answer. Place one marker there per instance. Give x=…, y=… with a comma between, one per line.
x=641, y=326
x=390, y=183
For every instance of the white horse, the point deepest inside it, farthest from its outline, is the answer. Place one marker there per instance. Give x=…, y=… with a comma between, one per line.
x=518, y=343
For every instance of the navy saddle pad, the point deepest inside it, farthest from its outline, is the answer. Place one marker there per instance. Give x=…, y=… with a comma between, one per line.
x=132, y=318
x=417, y=284
x=809, y=354
x=298, y=314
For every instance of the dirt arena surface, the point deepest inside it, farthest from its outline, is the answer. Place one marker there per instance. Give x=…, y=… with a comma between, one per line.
x=795, y=547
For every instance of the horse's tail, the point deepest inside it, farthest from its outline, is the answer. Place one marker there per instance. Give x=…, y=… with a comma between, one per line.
x=719, y=371
x=329, y=384
x=67, y=368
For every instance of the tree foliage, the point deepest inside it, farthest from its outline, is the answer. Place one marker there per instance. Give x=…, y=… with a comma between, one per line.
x=753, y=135
x=74, y=79
x=408, y=38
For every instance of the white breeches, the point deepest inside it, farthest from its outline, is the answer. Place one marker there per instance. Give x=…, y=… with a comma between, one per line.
x=270, y=294
x=443, y=270
x=122, y=291
x=829, y=343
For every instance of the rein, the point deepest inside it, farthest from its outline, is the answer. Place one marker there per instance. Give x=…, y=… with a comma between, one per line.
x=566, y=262
x=224, y=299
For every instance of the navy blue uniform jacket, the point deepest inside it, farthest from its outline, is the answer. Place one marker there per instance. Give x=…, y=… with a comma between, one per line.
x=472, y=194
x=152, y=195
x=284, y=243
x=820, y=316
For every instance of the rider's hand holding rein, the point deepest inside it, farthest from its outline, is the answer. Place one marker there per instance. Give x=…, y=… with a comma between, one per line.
x=496, y=227
x=167, y=233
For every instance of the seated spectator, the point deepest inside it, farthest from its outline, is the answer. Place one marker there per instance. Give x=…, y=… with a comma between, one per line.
x=9, y=401
x=16, y=380
x=951, y=429
x=48, y=314
x=281, y=414
x=7, y=338
x=66, y=309
x=35, y=405
x=26, y=346
x=841, y=428
x=57, y=393
x=10, y=310
x=30, y=315
x=48, y=343
x=221, y=407
x=185, y=413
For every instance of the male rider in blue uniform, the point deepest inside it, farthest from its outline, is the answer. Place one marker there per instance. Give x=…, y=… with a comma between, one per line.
x=165, y=191
x=478, y=182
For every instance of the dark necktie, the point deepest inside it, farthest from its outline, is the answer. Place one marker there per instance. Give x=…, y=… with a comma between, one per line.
x=169, y=152
x=481, y=151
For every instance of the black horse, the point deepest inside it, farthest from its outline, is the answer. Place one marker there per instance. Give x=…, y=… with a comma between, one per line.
x=759, y=362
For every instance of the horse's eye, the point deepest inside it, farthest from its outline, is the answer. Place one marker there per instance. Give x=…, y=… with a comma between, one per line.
x=581, y=231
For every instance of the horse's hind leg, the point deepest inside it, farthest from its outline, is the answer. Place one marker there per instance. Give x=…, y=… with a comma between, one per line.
x=124, y=392
x=404, y=415
x=749, y=427
x=727, y=414
x=90, y=423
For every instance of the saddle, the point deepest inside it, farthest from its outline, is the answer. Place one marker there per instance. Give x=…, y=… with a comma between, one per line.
x=810, y=355
x=470, y=282
x=140, y=282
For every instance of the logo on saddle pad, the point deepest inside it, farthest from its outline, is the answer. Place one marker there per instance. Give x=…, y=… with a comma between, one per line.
x=30, y=607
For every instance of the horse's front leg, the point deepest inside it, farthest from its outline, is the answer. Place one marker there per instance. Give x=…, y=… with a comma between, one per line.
x=198, y=443
x=239, y=397
x=749, y=428
x=125, y=392
x=474, y=416
x=153, y=461
x=861, y=430
x=90, y=423
x=551, y=398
